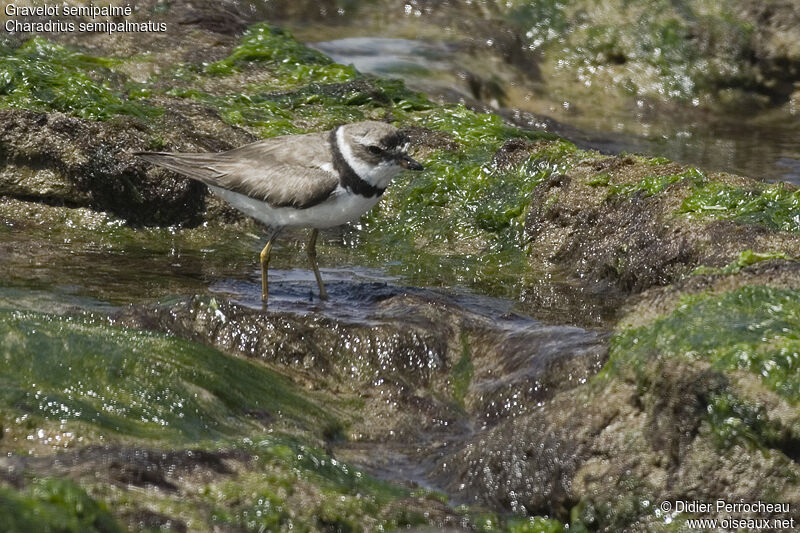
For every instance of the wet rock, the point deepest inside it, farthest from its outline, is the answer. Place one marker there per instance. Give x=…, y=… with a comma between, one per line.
x=164, y=470
x=55, y=158
x=583, y=450
x=413, y=358
x=617, y=223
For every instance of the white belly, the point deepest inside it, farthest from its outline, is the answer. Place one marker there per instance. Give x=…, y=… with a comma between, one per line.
x=342, y=207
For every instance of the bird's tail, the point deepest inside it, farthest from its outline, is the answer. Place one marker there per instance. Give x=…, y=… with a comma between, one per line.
x=196, y=166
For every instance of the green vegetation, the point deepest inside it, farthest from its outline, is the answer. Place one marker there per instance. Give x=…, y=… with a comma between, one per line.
x=45, y=76
x=745, y=259
x=599, y=180
x=653, y=185
x=463, y=218
x=67, y=376
x=51, y=505
x=290, y=61
x=752, y=328
x=775, y=206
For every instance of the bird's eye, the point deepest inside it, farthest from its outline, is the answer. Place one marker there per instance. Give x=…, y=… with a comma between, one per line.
x=374, y=150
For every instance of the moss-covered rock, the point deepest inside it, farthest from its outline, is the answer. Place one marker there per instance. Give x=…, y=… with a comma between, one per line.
x=629, y=223
x=133, y=385
x=734, y=52
x=687, y=409
x=393, y=379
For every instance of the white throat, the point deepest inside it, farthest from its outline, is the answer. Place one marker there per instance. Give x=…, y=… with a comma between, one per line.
x=376, y=175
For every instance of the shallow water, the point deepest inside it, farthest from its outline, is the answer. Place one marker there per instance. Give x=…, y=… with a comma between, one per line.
x=353, y=293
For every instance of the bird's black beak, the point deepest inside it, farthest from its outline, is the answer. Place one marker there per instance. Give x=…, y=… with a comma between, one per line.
x=408, y=163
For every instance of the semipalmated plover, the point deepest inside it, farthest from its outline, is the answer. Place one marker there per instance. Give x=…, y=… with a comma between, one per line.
x=316, y=180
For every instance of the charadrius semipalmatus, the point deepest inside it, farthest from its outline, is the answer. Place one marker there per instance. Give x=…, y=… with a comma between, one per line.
x=316, y=180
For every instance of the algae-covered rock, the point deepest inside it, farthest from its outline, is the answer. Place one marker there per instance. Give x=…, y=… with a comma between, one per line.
x=199, y=431
x=686, y=410
x=630, y=223
x=730, y=52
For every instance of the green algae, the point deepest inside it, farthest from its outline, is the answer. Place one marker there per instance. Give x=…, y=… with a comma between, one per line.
x=775, y=206
x=599, y=180
x=294, y=64
x=754, y=329
x=308, y=109
x=52, y=505
x=746, y=258
x=655, y=161
x=129, y=384
x=462, y=219
x=652, y=185
x=45, y=76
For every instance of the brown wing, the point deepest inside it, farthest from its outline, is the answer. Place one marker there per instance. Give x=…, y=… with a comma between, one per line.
x=282, y=171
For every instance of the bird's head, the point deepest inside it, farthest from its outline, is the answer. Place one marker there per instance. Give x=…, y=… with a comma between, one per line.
x=376, y=151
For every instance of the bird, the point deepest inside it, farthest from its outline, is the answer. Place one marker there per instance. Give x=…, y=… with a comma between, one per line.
x=313, y=180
